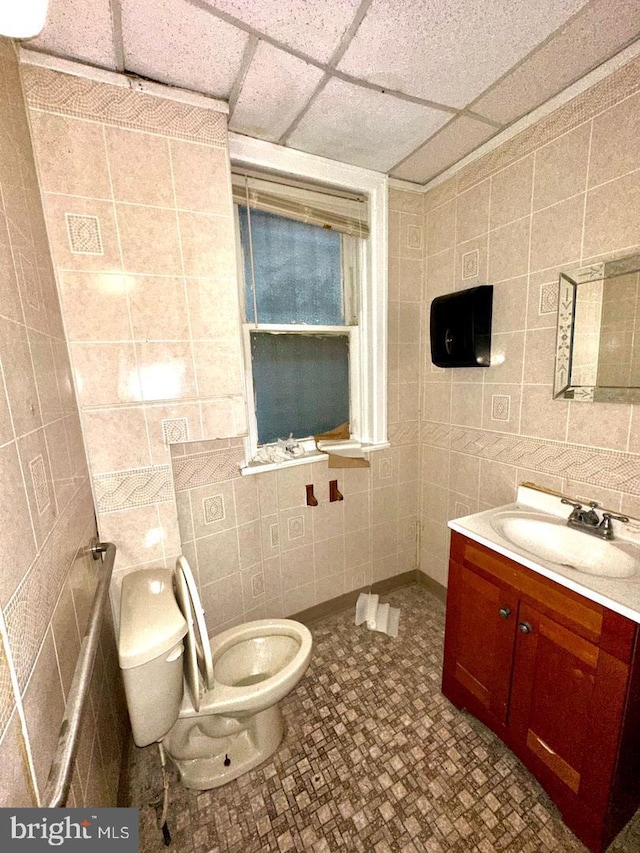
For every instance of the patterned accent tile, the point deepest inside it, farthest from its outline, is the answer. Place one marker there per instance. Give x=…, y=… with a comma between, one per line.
x=135, y=487
x=29, y=281
x=296, y=527
x=257, y=585
x=175, y=430
x=500, y=407
x=385, y=469
x=470, y=264
x=77, y=96
x=274, y=534
x=462, y=509
x=548, y=298
x=84, y=234
x=29, y=610
x=40, y=484
x=414, y=237
x=203, y=468
x=374, y=760
x=213, y=509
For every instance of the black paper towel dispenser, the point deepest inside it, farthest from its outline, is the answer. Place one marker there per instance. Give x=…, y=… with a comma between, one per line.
x=461, y=328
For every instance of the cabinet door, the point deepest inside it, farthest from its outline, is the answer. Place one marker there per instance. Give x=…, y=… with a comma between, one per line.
x=552, y=698
x=479, y=641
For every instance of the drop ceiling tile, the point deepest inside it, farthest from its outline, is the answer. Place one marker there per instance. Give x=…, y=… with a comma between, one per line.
x=591, y=38
x=457, y=139
x=363, y=127
x=177, y=43
x=449, y=52
x=80, y=29
x=314, y=27
x=274, y=91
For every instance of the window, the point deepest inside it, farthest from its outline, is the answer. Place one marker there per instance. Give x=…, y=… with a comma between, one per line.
x=314, y=334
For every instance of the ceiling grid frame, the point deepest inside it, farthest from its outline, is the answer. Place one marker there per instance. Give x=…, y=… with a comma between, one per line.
x=282, y=26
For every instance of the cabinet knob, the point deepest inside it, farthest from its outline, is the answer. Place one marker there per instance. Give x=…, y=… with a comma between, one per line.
x=504, y=612
x=525, y=628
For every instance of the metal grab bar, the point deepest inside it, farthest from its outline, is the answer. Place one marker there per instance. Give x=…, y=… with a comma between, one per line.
x=59, y=781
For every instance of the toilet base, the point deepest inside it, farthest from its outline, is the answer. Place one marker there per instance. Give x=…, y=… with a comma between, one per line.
x=258, y=738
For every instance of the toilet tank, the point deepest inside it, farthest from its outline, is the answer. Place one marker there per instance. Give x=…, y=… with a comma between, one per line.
x=151, y=653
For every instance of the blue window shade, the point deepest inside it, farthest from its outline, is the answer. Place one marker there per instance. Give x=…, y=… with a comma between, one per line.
x=298, y=271
x=301, y=384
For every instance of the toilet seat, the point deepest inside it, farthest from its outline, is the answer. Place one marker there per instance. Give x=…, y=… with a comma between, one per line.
x=198, y=659
x=210, y=688
x=229, y=698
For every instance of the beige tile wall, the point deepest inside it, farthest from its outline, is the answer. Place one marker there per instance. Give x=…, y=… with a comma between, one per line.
x=142, y=236
x=259, y=551
x=46, y=513
x=138, y=207
x=561, y=195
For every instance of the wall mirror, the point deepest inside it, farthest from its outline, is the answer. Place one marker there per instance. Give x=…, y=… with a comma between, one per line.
x=598, y=343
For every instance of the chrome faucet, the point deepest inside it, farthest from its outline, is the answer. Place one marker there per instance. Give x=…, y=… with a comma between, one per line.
x=589, y=521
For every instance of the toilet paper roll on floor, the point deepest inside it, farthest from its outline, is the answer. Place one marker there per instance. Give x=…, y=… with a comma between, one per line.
x=378, y=617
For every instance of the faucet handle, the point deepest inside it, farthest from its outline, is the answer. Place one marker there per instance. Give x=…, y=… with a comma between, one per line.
x=571, y=503
x=610, y=515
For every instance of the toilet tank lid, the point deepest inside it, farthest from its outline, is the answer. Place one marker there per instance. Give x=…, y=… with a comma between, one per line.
x=150, y=620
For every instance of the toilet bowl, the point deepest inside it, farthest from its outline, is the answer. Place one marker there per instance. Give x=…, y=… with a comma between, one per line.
x=213, y=702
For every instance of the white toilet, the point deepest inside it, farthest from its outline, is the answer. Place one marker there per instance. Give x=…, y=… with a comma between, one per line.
x=212, y=703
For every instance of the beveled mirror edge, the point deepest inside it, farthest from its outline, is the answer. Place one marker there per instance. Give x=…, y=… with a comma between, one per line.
x=567, y=286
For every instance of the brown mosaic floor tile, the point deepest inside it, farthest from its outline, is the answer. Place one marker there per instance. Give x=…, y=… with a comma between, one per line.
x=374, y=760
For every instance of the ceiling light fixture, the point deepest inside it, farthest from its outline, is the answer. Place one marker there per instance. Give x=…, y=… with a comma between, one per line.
x=22, y=20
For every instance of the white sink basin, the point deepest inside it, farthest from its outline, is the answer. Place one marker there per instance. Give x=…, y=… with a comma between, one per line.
x=549, y=539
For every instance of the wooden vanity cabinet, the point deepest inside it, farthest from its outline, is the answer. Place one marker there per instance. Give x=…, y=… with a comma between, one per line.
x=556, y=676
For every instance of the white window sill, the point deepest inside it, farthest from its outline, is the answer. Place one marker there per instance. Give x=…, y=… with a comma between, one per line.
x=307, y=459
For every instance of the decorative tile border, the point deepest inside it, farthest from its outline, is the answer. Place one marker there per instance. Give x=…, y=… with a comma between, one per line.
x=135, y=487
x=404, y=433
x=7, y=697
x=603, y=95
x=204, y=468
x=29, y=610
x=54, y=91
x=608, y=468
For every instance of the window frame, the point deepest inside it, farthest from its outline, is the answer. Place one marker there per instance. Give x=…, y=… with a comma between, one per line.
x=368, y=340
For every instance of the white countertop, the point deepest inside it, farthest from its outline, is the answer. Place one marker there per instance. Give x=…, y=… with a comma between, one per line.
x=621, y=595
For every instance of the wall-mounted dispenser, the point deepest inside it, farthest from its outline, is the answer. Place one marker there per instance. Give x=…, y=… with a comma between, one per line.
x=461, y=328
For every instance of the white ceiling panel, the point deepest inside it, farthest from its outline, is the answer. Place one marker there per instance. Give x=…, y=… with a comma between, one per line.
x=81, y=29
x=177, y=43
x=449, y=51
x=587, y=41
x=314, y=27
x=274, y=91
x=363, y=127
x=453, y=142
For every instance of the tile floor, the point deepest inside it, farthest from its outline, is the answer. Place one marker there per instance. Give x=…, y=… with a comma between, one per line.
x=374, y=759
